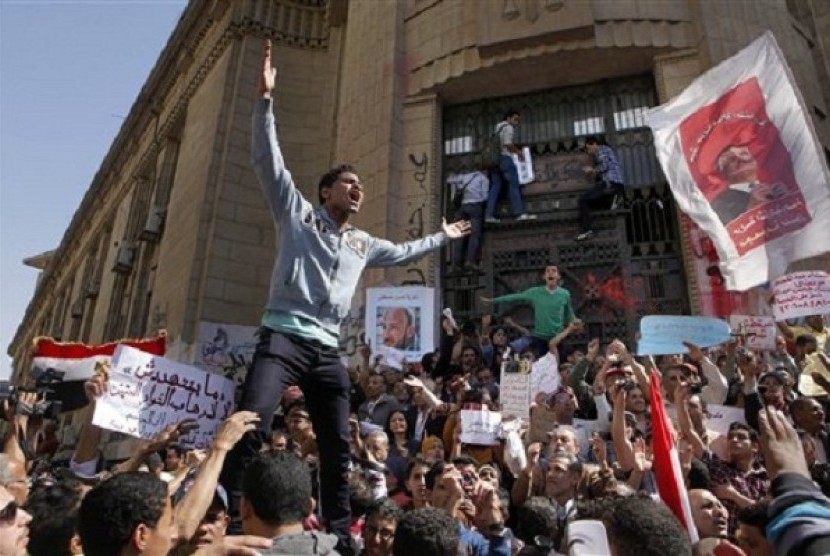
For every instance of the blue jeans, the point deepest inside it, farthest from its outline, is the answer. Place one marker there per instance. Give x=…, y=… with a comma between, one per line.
x=282, y=360
x=507, y=171
x=474, y=212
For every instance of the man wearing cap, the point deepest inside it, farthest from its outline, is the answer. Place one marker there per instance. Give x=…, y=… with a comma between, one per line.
x=320, y=258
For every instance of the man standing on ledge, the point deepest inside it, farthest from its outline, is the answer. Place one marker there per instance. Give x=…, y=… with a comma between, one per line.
x=552, y=309
x=319, y=261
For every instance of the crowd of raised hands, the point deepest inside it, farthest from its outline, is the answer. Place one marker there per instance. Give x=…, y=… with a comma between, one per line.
x=579, y=474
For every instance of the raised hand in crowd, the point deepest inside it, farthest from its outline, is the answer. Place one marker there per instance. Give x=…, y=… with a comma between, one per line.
x=599, y=450
x=17, y=415
x=190, y=511
x=780, y=444
x=268, y=77
x=89, y=438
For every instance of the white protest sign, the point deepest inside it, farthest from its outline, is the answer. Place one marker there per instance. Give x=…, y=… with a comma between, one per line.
x=480, y=427
x=400, y=323
x=524, y=167
x=759, y=332
x=544, y=375
x=584, y=430
x=801, y=294
x=145, y=393
x=514, y=394
x=719, y=417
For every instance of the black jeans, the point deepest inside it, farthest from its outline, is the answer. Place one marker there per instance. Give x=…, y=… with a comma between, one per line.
x=283, y=360
x=600, y=194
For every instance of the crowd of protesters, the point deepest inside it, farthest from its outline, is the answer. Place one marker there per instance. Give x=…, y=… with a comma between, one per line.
x=415, y=488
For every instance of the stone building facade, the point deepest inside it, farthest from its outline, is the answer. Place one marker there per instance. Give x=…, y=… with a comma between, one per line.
x=174, y=233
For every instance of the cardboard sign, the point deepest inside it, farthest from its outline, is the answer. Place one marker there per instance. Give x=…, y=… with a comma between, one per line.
x=665, y=334
x=801, y=294
x=719, y=417
x=542, y=421
x=759, y=332
x=514, y=394
x=480, y=427
x=145, y=393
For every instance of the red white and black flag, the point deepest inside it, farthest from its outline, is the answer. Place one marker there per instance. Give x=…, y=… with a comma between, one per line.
x=80, y=362
x=743, y=161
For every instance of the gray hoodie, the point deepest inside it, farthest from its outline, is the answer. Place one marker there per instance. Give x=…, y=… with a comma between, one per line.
x=318, y=266
x=307, y=542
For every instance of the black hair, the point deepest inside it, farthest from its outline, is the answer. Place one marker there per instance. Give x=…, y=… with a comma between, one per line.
x=178, y=448
x=699, y=477
x=638, y=526
x=360, y=493
x=54, y=510
x=755, y=515
x=592, y=140
x=111, y=512
x=426, y=532
x=464, y=460
x=278, y=488
x=385, y=508
x=536, y=518
x=738, y=426
x=510, y=112
x=434, y=473
x=331, y=176
x=417, y=461
x=805, y=339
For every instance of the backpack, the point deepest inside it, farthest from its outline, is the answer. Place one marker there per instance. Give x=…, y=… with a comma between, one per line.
x=491, y=150
x=458, y=196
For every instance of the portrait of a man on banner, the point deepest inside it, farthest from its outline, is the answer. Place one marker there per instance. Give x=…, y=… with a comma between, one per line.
x=737, y=159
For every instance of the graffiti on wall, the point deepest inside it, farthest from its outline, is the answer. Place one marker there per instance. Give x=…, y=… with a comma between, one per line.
x=225, y=349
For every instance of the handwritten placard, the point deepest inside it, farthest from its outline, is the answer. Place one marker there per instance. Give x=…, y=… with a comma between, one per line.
x=145, y=393
x=480, y=427
x=758, y=332
x=544, y=375
x=584, y=430
x=665, y=334
x=514, y=394
x=719, y=417
x=801, y=294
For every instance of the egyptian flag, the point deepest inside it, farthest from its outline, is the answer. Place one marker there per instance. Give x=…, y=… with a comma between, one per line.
x=666, y=463
x=80, y=362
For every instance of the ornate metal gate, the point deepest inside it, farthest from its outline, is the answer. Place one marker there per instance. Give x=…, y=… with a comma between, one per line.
x=633, y=266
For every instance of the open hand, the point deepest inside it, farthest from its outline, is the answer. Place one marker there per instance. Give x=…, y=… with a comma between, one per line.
x=780, y=444
x=234, y=428
x=456, y=229
x=268, y=78
x=695, y=353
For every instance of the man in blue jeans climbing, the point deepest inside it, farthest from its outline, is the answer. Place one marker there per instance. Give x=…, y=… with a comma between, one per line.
x=608, y=181
x=505, y=133
x=320, y=258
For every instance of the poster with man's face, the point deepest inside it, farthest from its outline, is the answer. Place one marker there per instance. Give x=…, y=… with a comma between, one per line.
x=739, y=163
x=400, y=323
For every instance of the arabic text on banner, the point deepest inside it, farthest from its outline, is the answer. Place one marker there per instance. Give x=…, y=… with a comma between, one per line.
x=145, y=393
x=759, y=332
x=514, y=394
x=480, y=427
x=801, y=294
x=744, y=163
x=544, y=375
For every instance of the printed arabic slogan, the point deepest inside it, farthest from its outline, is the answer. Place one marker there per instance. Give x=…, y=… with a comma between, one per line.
x=145, y=393
x=743, y=162
x=399, y=323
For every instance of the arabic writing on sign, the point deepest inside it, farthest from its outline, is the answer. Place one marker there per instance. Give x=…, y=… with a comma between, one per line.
x=758, y=332
x=480, y=427
x=801, y=294
x=146, y=393
x=665, y=334
x=514, y=394
x=768, y=221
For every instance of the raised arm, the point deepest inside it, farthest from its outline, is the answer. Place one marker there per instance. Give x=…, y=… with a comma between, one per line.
x=716, y=390
x=266, y=157
x=681, y=401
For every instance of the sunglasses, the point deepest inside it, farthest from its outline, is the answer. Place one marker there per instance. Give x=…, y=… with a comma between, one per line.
x=9, y=512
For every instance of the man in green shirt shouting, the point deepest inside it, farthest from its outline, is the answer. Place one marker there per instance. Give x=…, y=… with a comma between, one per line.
x=552, y=309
